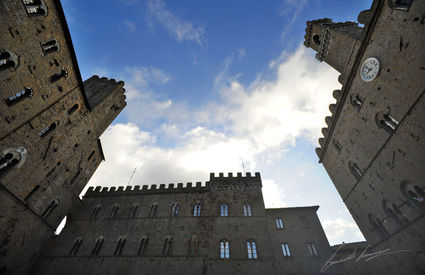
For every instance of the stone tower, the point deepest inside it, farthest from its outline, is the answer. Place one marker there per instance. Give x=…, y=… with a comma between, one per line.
x=220, y=227
x=50, y=123
x=373, y=147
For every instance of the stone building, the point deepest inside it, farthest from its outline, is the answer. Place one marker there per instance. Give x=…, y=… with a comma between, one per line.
x=373, y=147
x=221, y=227
x=50, y=123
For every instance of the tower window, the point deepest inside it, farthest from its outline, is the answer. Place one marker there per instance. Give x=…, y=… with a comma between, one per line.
x=152, y=212
x=76, y=246
x=279, y=223
x=120, y=246
x=72, y=109
x=12, y=157
x=386, y=122
x=95, y=211
x=47, y=130
x=63, y=73
x=247, y=210
x=19, y=96
x=133, y=210
x=224, y=249
x=8, y=60
x=224, y=210
x=50, y=208
x=356, y=102
x=313, y=250
x=35, y=7
x=167, y=248
x=285, y=250
x=355, y=170
x=193, y=245
x=142, y=246
x=175, y=209
x=50, y=46
x=316, y=39
x=197, y=209
x=252, y=249
x=400, y=4
x=114, y=211
x=97, y=246
x=337, y=145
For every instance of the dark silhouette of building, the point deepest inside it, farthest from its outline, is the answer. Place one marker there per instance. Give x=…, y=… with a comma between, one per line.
x=373, y=147
x=50, y=123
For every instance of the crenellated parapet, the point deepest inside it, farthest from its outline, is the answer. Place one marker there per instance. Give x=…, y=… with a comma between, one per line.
x=238, y=181
x=329, y=119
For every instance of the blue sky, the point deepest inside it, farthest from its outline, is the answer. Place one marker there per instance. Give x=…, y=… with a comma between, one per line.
x=212, y=84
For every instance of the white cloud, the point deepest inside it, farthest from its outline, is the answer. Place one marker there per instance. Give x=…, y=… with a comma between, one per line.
x=291, y=9
x=131, y=26
x=241, y=53
x=177, y=27
x=339, y=230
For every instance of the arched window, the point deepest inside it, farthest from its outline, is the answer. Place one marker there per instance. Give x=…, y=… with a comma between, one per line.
x=12, y=157
x=50, y=208
x=356, y=101
x=224, y=210
x=8, y=60
x=337, y=145
x=316, y=39
x=133, y=210
x=57, y=76
x=252, y=249
x=400, y=4
x=386, y=122
x=224, y=249
x=142, y=245
x=193, y=245
x=19, y=96
x=98, y=245
x=167, y=248
x=77, y=243
x=355, y=170
x=95, y=211
x=35, y=7
x=392, y=215
x=114, y=211
x=197, y=209
x=415, y=196
x=50, y=46
x=378, y=227
x=152, y=212
x=175, y=209
x=120, y=246
x=247, y=210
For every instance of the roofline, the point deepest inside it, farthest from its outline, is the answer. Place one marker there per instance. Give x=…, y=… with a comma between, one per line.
x=316, y=207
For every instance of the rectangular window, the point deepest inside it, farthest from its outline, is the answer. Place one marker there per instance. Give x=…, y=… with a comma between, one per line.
x=279, y=223
x=285, y=250
x=313, y=250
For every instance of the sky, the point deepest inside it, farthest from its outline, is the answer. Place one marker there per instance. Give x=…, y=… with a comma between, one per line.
x=216, y=86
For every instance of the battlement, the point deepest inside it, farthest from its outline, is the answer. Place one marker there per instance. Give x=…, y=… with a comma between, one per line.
x=97, y=89
x=248, y=181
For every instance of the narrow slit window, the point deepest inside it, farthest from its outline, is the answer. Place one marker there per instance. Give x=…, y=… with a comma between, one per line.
x=47, y=130
x=175, y=209
x=152, y=212
x=193, y=246
x=19, y=96
x=355, y=170
x=72, y=109
x=356, y=101
x=133, y=210
x=166, y=250
x=95, y=212
x=120, y=246
x=337, y=145
x=197, y=209
x=75, y=246
x=97, y=246
x=50, y=209
x=142, y=245
x=114, y=211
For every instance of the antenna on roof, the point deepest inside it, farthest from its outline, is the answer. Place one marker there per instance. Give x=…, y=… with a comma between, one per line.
x=243, y=166
x=134, y=171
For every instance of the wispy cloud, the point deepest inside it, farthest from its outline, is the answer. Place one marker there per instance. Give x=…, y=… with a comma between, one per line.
x=131, y=26
x=291, y=9
x=177, y=27
x=241, y=53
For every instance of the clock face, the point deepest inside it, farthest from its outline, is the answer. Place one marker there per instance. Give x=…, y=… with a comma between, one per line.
x=369, y=69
